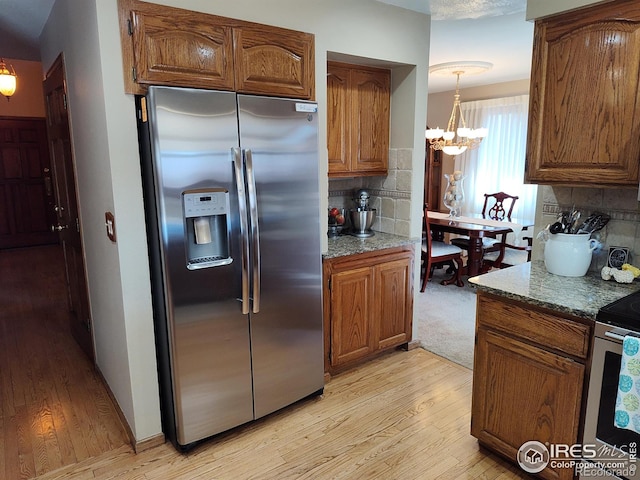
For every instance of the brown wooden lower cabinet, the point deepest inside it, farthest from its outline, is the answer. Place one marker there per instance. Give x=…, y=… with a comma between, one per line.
x=368, y=305
x=528, y=377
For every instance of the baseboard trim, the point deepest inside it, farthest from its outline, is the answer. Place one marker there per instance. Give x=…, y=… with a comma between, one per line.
x=149, y=443
x=413, y=344
x=138, y=446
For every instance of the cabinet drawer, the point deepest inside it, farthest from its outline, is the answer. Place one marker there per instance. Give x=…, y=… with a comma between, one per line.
x=557, y=333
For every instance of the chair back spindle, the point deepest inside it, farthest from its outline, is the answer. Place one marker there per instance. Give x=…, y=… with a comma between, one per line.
x=498, y=210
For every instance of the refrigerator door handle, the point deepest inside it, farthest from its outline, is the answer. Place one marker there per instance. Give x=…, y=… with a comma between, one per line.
x=244, y=228
x=255, y=231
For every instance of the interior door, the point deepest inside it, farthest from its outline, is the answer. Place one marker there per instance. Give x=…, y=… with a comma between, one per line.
x=26, y=197
x=67, y=220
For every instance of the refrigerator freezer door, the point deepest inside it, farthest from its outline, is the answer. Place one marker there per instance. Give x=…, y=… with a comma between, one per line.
x=192, y=134
x=286, y=332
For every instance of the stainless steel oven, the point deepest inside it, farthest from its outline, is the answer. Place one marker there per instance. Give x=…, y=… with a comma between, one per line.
x=615, y=448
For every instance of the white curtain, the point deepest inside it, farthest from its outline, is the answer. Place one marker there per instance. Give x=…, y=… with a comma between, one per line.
x=498, y=164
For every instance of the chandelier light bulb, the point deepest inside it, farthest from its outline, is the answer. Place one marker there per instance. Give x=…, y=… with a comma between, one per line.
x=454, y=149
x=482, y=132
x=433, y=133
x=464, y=132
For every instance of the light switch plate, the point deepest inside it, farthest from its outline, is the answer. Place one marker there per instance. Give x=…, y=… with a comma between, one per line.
x=110, y=223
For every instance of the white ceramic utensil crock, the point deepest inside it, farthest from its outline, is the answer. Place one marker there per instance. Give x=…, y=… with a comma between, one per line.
x=568, y=254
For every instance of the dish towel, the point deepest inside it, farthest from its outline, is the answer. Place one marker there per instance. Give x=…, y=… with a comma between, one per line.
x=628, y=399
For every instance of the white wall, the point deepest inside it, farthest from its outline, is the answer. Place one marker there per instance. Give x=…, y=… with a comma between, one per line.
x=543, y=8
x=107, y=163
x=108, y=179
x=28, y=100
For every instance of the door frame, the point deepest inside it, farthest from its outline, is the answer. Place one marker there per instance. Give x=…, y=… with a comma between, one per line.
x=63, y=166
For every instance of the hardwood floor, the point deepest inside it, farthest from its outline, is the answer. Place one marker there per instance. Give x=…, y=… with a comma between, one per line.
x=403, y=416
x=54, y=408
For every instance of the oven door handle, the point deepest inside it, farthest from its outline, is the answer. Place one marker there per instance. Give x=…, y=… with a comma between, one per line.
x=615, y=336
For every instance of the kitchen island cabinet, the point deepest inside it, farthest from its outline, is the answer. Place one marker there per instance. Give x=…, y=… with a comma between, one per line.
x=534, y=333
x=584, y=97
x=528, y=378
x=368, y=305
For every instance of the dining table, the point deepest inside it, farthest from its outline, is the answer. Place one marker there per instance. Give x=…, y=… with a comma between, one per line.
x=476, y=227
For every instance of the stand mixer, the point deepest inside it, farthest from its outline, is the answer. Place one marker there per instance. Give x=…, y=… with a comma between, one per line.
x=362, y=216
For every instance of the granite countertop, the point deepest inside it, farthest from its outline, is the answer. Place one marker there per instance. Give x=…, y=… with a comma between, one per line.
x=343, y=245
x=531, y=283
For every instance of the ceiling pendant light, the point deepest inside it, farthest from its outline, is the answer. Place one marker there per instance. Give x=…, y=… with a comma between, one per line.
x=467, y=138
x=7, y=79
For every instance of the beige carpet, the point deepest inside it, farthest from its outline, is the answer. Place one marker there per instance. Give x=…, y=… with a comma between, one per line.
x=445, y=319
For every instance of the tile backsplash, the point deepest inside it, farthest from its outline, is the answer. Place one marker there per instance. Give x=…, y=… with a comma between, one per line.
x=390, y=195
x=621, y=204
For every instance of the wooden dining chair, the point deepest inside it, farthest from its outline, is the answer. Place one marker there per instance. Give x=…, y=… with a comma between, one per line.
x=435, y=253
x=497, y=206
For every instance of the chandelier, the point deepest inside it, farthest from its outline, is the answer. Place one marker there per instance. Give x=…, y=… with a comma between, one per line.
x=7, y=79
x=454, y=140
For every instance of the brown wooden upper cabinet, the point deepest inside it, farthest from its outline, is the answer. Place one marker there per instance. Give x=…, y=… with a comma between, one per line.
x=172, y=46
x=358, y=108
x=584, y=126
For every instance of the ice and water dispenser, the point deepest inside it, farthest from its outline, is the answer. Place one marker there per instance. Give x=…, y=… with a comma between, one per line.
x=206, y=213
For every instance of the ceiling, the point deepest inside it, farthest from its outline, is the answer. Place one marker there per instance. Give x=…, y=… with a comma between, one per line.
x=492, y=31
x=21, y=23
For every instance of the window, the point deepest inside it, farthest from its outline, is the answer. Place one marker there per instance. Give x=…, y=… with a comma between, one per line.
x=498, y=164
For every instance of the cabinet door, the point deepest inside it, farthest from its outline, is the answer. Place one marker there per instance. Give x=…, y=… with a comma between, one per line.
x=338, y=118
x=274, y=61
x=181, y=48
x=394, y=303
x=585, y=97
x=370, y=119
x=352, y=332
x=358, y=109
x=173, y=46
x=523, y=393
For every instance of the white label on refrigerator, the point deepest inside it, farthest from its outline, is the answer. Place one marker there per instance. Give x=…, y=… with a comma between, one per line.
x=307, y=107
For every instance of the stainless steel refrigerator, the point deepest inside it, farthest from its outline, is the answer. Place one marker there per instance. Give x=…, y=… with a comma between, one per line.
x=233, y=221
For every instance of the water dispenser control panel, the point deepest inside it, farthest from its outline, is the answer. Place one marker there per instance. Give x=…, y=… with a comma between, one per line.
x=205, y=204
x=207, y=227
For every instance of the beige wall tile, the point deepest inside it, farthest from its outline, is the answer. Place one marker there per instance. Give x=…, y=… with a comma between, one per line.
x=403, y=181
x=403, y=209
x=390, y=195
x=619, y=203
x=402, y=227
